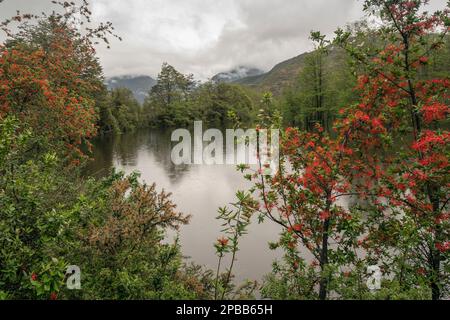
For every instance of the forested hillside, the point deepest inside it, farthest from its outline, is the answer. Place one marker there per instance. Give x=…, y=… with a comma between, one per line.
x=285, y=75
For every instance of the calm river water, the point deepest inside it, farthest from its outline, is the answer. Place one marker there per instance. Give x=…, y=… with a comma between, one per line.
x=198, y=190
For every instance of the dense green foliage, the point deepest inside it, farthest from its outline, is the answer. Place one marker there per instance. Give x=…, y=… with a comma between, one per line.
x=111, y=228
x=50, y=100
x=177, y=101
x=119, y=111
x=325, y=82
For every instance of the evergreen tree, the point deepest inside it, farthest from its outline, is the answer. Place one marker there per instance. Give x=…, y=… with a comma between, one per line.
x=169, y=99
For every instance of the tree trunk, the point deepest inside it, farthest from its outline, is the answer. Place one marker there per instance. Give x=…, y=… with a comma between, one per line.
x=323, y=286
x=435, y=256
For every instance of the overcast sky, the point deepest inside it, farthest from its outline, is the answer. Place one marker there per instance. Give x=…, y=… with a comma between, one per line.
x=205, y=37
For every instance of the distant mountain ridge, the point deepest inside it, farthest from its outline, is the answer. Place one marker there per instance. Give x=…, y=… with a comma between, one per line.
x=281, y=76
x=236, y=74
x=286, y=74
x=139, y=85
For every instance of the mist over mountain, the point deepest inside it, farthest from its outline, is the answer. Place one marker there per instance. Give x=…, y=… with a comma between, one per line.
x=139, y=85
x=236, y=74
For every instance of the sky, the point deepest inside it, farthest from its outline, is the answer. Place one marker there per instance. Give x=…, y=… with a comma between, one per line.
x=205, y=37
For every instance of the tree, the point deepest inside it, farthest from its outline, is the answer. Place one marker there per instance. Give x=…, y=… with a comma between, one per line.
x=409, y=229
x=169, y=99
x=116, y=239
x=402, y=181
x=304, y=199
x=49, y=76
x=324, y=82
x=218, y=101
x=31, y=194
x=49, y=217
x=121, y=112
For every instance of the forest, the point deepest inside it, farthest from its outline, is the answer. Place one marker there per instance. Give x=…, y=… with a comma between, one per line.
x=365, y=118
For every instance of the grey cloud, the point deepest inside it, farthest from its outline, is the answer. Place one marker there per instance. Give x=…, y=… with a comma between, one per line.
x=257, y=33
x=205, y=37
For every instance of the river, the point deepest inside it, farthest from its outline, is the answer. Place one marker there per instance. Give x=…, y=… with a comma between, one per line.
x=198, y=190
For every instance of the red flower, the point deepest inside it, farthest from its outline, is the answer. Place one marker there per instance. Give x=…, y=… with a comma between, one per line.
x=377, y=125
x=292, y=245
x=223, y=241
x=359, y=115
x=435, y=112
x=53, y=296
x=311, y=144
x=324, y=215
x=443, y=217
x=421, y=271
x=392, y=104
x=423, y=60
x=443, y=247
x=34, y=277
x=429, y=139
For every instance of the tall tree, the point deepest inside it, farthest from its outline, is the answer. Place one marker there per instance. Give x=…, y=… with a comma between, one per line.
x=170, y=97
x=411, y=231
x=324, y=84
x=219, y=103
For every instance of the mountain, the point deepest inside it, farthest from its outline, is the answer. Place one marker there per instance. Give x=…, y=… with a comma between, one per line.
x=281, y=76
x=236, y=74
x=286, y=73
x=139, y=85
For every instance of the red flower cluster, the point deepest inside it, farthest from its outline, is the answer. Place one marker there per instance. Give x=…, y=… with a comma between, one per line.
x=430, y=139
x=435, y=112
x=324, y=215
x=44, y=90
x=223, y=242
x=443, y=247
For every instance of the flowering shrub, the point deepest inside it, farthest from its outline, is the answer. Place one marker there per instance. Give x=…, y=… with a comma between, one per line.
x=390, y=154
x=405, y=155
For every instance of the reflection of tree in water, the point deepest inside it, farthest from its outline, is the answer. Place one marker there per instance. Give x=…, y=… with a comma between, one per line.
x=113, y=148
x=101, y=158
x=160, y=146
x=124, y=150
x=134, y=149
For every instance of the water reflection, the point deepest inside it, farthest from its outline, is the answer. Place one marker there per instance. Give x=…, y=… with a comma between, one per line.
x=143, y=148
x=197, y=189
